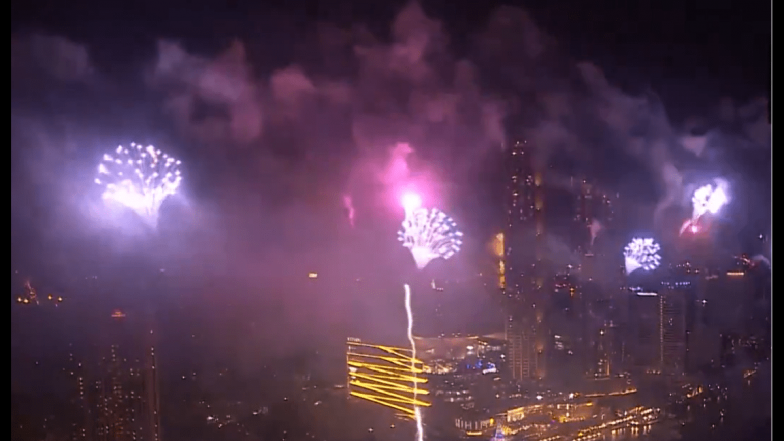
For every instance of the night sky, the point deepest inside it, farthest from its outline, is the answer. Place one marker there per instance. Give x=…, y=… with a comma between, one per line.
x=282, y=113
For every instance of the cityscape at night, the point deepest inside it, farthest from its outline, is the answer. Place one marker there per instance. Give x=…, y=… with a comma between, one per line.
x=391, y=221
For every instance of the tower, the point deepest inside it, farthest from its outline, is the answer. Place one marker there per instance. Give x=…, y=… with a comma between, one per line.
x=524, y=246
x=603, y=353
x=593, y=210
x=125, y=387
x=672, y=330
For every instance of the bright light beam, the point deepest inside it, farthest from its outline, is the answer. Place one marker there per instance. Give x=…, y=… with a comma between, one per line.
x=140, y=178
x=410, y=333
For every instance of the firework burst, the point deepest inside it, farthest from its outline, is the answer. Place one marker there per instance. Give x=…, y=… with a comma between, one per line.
x=140, y=178
x=642, y=253
x=430, y=234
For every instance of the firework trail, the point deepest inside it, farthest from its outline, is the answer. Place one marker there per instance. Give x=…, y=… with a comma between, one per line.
x=642, y=253
x=410, y=333
x=428, y=234
x=140, y=178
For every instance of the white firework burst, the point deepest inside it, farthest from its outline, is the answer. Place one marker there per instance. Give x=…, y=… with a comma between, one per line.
x=430, y=234
x=140, y=178
x=642, y=253
x=709, y=199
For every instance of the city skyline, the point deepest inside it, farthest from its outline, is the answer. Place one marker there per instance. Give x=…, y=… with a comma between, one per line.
x=204, y=223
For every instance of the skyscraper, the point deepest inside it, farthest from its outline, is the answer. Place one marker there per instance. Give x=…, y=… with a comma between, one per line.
x=590, y=205
x=603, y=353
x=672, y=330
x=524, y=251
x=520, y=346
x=525, y=224
x=125, y=389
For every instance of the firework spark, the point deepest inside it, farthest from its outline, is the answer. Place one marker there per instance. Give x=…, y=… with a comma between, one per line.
x=410, y=334
x=140, y=178
x=642, y=253
x=430, y=234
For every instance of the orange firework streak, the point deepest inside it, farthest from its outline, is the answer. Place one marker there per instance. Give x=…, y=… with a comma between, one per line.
x=385, y=375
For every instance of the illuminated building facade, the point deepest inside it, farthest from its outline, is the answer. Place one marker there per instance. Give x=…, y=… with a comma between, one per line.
x=499, y=252
x=659, y=331
x=724, y=304
x=525, y=245
x=525, y=211
x=386, y=375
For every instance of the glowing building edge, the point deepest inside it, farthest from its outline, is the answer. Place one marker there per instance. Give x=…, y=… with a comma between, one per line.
x=384, y=375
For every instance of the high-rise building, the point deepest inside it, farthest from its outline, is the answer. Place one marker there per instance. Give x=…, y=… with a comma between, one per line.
x=659, y=330
x=591, y=205
x=603, y=353
x=525, y=224
x=672, y=330
x=80, y=400
x=645, y=335
x=124, y=387
x=524, y=250
x=520, y=346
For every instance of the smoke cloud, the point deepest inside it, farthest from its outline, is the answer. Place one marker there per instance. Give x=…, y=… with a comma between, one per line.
x=311, y=142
